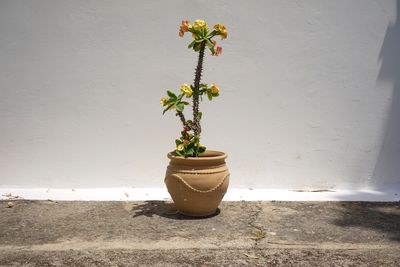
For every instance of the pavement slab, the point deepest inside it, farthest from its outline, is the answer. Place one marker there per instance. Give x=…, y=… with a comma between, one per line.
x=152, y=233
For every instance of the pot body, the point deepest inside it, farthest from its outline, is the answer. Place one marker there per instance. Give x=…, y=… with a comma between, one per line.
x=197, y=185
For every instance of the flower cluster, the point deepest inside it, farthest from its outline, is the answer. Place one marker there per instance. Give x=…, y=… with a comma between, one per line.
x=174, y=101
x=186, y=89
x=188, y=145
x=201, y=33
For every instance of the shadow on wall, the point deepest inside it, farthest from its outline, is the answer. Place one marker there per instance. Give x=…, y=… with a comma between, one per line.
x=383, y=217
x=386, y=173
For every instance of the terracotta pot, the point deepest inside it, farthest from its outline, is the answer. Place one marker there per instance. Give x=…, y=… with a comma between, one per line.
x=197, y=185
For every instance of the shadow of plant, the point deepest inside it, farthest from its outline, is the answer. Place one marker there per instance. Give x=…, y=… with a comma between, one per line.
x=386, y=172
x=383, y=217
x=164, y=209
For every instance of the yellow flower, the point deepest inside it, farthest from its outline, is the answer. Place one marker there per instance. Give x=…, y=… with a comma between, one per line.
x=214, y=89
x=224, y=35
x=221, y=30
x=219, y=27
x=180, y=147
x=163, y=101
x=200, y=24
x=185, y=88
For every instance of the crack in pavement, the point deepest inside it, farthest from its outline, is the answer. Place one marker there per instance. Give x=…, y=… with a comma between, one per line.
x=252, y=223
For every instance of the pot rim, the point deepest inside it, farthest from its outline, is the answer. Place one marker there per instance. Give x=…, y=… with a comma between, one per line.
x=215, y=155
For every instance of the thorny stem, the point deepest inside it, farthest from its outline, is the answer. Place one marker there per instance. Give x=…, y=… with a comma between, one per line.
x=182, y=117
x=196, y=91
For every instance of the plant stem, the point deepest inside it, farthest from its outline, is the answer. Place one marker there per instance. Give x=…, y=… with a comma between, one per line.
x=196, y=91
x=182, y=117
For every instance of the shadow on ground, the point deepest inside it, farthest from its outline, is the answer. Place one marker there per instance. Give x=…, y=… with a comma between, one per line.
x=164, y=209
x=383, y=217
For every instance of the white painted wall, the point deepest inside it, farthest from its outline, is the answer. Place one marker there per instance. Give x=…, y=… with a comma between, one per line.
x=310, y=92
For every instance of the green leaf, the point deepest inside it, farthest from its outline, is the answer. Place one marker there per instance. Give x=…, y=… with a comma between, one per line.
x=180, y=107
x=210, y=46
x=197, y=47
x=172, y=95
x=191, y=44
x=189, y=151
x=200, y=115
x=211, y=34
x=209, y=95
x=201, y=149
x=178, y=142
x=169, y=107
x=203, y=32
x=185, y=103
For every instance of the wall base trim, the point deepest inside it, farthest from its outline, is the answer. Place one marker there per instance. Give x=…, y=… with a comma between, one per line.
x=234, y=194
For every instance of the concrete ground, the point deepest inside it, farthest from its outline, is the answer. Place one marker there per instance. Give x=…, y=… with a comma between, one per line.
x=49, y=233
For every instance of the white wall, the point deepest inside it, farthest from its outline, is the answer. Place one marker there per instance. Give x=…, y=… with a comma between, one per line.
x=310, y=92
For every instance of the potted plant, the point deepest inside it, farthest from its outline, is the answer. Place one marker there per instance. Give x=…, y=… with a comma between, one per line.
x=196, y=178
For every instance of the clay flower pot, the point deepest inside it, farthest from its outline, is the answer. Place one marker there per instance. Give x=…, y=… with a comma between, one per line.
x=197, y=185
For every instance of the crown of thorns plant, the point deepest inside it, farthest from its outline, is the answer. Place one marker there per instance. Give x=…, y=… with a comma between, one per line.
x=188, y=145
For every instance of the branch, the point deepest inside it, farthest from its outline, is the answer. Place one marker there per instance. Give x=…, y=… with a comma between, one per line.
x=196, y=91
x=182, y=117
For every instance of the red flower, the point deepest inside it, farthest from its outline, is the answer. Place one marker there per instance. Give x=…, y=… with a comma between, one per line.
x=218, y=51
